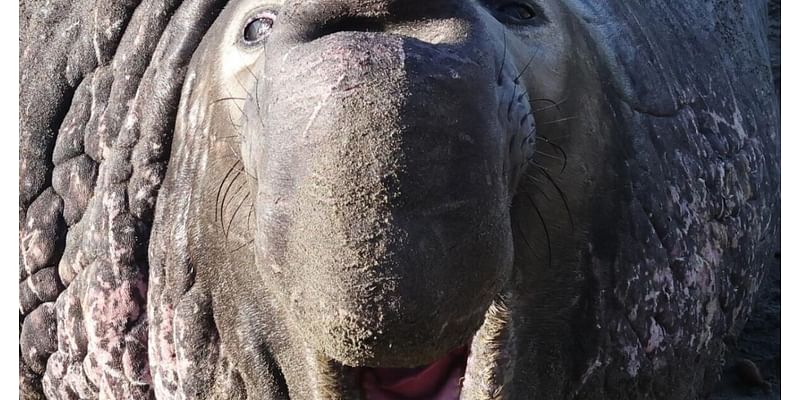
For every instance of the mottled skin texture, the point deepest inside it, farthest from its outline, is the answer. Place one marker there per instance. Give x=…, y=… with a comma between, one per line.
x=308, y=217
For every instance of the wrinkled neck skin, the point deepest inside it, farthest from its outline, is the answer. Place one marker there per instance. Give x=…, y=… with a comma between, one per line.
x=362, y=192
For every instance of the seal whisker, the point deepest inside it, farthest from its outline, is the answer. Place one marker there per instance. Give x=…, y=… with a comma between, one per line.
x=562, y=196
x=553, y=144
x=537, y=165
x=236, y=127
x=239, y=189
x=550, y=156
x=234, y=99
x=245, y=88
x=222, y=138
x=219, y=191
x=511, y=101
x=538, y=190
x=522, y=235
x=233, y=150
x=544, y=99
x=236, y=211
x=232, y=156
x=249, y=242
x=503, y=62
x=243, y=171
x=224, y=198
x=528, y=64
x=249, y=95
x=556, y=121
x=544, y=226
x=558, y=148
x=238, y=107
x=228, y=99
x=250, y=214
x=258, y=103
x=534, y=179
x=557, y=105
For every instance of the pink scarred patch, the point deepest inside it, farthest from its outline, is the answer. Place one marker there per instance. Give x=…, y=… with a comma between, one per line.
x=440, y=380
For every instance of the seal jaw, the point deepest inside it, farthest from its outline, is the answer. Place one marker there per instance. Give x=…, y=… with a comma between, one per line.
x=479, y=370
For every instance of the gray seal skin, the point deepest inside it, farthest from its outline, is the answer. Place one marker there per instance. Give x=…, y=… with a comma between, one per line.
x=555, y=199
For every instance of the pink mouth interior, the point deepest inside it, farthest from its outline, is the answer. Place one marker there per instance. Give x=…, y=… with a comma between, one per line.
x=440, y=380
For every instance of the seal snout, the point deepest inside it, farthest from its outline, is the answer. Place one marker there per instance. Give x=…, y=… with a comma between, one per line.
x=383, y=198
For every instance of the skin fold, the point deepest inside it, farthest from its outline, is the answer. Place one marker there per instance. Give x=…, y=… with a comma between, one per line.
x=264, y=199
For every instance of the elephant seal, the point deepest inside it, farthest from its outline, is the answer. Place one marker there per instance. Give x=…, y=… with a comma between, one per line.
x=350, y=178
x=404, y=199
x=355, y=190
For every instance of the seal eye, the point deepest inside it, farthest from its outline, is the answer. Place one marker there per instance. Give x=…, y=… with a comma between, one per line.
x=517, y=12
x=257, y=29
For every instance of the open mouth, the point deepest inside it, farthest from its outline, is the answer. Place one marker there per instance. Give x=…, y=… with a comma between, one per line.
x=480, y=370
x=439, y=380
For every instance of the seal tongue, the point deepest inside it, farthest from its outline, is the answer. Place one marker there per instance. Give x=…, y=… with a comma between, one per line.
x=440, y=380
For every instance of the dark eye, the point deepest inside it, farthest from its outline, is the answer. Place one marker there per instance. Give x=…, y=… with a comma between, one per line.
x=517, y=11
x=258, y=29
